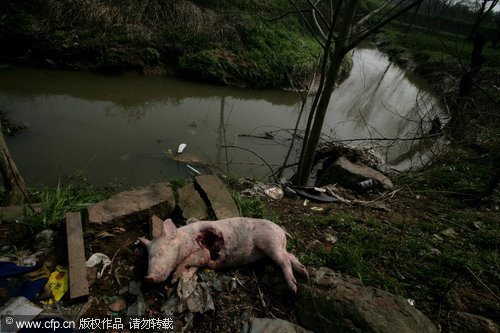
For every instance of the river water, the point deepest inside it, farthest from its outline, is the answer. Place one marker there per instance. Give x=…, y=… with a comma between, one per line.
x=122, y=127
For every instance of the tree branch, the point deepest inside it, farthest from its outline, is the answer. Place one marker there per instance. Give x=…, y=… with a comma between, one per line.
x=355, y=41
x=360, y=23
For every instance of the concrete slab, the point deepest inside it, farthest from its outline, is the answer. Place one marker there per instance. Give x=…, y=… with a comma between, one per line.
x=191, y=203
x=217, y=194
x=135, y=205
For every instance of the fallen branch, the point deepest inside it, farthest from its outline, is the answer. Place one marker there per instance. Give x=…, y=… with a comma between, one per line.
x=392, y=139
x=443, y=296
x=114, y=256
x=117, y=277
x=261, y=296
x=482, y=283
x=267, y=136
x=320, y=316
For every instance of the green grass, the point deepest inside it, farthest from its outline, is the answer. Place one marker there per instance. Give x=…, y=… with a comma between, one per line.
x=455, y=181
x=261, y=56
x=177, y=183
x=249, y=206
x=411, y=258
x=431, y=47
x=56, y=202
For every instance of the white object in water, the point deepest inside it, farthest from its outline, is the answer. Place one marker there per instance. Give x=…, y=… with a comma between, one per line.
x=181, y=148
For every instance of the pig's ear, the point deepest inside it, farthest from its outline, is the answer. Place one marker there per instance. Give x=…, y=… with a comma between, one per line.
x=144, y=241
x=169, y=230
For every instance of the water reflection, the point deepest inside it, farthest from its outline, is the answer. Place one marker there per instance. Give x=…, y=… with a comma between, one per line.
x=125, y=92
x=121, y=127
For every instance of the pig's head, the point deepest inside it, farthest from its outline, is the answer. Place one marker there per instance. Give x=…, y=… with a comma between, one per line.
x=162, y=253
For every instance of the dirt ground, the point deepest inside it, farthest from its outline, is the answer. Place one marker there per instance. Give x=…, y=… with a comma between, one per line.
x=237, y=300
x=255, y=290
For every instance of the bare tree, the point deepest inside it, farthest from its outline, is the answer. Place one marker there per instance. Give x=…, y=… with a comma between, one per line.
x=352, y=31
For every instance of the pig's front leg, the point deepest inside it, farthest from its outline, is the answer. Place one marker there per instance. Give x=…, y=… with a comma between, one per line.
x=188, y=267
x=187, y=273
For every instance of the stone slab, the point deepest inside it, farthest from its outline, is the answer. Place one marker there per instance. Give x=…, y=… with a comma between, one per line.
x=191, y=203
x=78, y=284
x=134, y=205
x=220, y=200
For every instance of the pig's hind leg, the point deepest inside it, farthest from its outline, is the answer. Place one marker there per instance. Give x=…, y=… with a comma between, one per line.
x=297, y=266
x=281, y=257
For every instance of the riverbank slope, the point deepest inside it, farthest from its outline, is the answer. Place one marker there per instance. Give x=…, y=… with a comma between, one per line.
x=229, y=43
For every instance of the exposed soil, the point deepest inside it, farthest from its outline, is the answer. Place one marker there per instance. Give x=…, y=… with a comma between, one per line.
x=259, y=290
x=239, y=297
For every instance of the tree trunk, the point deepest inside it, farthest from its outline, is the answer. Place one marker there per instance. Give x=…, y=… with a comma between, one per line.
x=311, y=142
x=15, y=189
x=306, y=164
x=467, y=83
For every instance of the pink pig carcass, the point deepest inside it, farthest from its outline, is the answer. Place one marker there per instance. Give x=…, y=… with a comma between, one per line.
x=218, y=244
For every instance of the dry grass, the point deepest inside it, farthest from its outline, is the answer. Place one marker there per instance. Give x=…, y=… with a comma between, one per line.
x=138, y=20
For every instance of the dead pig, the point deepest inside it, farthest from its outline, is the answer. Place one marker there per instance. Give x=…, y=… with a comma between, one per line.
x=218, y=244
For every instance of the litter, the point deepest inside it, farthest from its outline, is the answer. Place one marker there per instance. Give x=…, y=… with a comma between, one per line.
x=14, y=307
x=138, y=308
x=193, y=169
x=181, y=148
x=273, y=191
x=58, y=282
x=96, y=259
x=191, y=295
x=8, y=269
x=312, y=194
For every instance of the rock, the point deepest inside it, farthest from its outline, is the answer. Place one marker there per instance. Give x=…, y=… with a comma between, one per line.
x=217, y=194
x=44, y=241
x=467, y=322
x=478, y=225
x=449, y=233
x=345, y=304
x=191, y=203
x=155, y=226
x=331, y=238
x=268, y=325
x=349, y=174
x=118, y=305
x=134, y=205
x=138, y=308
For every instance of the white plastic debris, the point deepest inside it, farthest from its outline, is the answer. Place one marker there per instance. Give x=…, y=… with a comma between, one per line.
x=96, y=259
x=14, y=309
x=191, y=295
x=181, y=148
x=193, y=169
x=411, y=301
